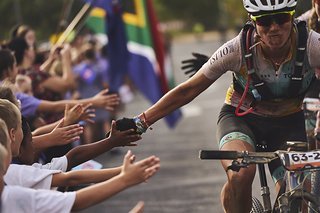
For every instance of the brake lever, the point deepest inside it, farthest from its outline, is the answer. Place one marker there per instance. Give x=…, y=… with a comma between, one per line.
x=236, y=166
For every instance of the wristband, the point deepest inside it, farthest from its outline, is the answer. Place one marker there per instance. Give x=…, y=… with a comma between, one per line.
x=141, y=127
x=141, y=123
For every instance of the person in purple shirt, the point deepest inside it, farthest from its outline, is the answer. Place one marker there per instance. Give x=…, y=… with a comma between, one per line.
x=91, y=78
x=31, y=105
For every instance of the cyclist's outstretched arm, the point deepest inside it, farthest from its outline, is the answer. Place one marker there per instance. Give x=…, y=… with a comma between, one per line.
x=179, y=96
x=227, y=57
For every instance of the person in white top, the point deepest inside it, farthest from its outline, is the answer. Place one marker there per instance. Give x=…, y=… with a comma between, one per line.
x=21, y=199
x=39, y=178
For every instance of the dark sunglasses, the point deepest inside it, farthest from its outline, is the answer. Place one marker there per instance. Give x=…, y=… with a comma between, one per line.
x=278, y=18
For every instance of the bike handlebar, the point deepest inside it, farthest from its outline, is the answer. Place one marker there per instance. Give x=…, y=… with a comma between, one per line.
x=233, y=155
x=218, y=154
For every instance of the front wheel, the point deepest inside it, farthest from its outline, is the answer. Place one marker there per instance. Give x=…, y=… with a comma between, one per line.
x=256, y=206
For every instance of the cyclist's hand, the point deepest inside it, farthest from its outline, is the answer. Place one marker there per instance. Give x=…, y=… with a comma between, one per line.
x=130, y=123
x=126, y=124
x=191, y=66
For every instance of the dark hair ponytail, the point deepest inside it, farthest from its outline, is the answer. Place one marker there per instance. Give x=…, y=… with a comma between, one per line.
x=7, y=61
x=18, y=46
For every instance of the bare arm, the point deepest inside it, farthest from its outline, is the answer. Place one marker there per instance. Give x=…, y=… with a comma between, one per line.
x=131, y=174
x=45, y=129
x=74, y=178
x=101, y=100
x=97, y=193
x=71, y=116
x=83, y=153
x=67, y=81
x=179, y=96
x=58, y=136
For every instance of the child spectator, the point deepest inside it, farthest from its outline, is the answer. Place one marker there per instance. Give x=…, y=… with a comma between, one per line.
x=19, y=199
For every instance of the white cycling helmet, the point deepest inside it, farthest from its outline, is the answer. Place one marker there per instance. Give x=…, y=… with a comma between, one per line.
x=258, y=7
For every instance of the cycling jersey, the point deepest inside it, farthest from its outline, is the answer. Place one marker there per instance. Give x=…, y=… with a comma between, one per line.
x=230, y=57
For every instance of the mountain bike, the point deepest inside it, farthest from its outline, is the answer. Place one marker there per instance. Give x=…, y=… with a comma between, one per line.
x=299, y=167
x=302, y=167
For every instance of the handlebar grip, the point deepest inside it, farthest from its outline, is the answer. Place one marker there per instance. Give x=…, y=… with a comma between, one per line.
x=217, y=154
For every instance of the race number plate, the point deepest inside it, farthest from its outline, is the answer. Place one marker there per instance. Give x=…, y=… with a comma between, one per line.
x=301, y=160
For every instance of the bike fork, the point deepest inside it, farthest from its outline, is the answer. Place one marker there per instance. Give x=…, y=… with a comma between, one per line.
x=265, y=192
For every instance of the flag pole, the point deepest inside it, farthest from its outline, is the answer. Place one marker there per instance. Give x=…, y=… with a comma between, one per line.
x=74, y=23
x=84, y=11
x=67, y=5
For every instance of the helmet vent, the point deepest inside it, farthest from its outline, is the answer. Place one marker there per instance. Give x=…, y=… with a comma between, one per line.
x=253, y=2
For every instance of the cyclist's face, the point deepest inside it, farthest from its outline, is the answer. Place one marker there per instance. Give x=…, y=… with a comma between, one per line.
x=275, y=35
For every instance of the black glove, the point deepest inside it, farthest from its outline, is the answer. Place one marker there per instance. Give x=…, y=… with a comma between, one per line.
x=191, y=66
x=124, y=124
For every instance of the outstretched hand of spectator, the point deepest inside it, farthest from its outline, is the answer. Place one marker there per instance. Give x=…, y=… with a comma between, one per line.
x=138, y=208
x=138, y=124
x=77, y=113
x=103, y=100
x=122, y=138
x=137, y=172
x=61, y=135
x=191, y=66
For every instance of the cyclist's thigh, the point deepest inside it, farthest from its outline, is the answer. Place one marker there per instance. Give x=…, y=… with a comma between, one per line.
x=234, y=131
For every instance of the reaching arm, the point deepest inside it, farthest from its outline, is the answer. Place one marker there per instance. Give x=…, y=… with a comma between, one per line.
x=83, y=153
x=192, y=65
x=71, y=116
x=101, y=100
x=58, y=136
x=45, y=129
x=78, y=177
x=131, y=174
x=177, y=97
x=67, y=81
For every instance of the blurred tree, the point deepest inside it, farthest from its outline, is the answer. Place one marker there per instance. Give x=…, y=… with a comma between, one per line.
x=205, y=12
x=41, y=15
x=303, y=6
x=44, y=16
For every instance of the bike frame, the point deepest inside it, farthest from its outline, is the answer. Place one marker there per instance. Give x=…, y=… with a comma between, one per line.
x=291, y=178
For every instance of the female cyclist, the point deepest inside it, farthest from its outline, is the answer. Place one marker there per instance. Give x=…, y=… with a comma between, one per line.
x=263, y=104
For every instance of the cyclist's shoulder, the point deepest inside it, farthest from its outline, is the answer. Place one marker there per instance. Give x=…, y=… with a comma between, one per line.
x=228, y=50
x=305, y=16
x=313, y=52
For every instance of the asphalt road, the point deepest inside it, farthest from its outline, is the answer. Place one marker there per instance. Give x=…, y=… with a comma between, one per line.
x=184, y=184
